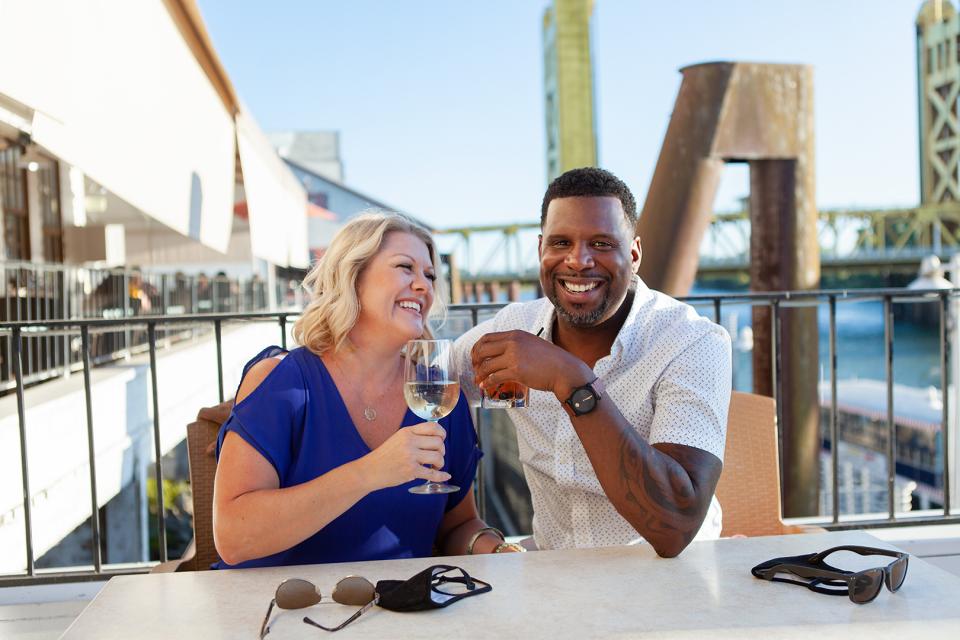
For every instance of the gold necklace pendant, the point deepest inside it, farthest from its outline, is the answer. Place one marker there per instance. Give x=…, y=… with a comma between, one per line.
x=369, y=413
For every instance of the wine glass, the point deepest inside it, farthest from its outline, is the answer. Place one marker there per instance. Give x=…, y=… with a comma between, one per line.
x=431, y=388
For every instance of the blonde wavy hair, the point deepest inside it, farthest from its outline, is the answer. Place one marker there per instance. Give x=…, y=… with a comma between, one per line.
x=332, y=282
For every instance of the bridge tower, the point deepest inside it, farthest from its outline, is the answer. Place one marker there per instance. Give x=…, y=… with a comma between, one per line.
x=568, y=86
x=938, y=86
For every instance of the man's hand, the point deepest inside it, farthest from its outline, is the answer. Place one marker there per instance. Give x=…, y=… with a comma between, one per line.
x=521, y=356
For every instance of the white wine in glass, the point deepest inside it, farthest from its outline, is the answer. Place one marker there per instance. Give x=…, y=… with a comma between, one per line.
x=431, y=389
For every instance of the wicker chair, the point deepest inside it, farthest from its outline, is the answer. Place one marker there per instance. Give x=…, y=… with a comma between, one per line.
x=749, y=487
x=201, y=443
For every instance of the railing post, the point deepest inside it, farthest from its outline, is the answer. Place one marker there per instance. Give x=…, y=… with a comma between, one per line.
x=158, y=450
x=944, y=392
x=91, y=451
x=481, y=428
x=24, y=468
x=67, y=295
x=891, y=425
x=482, y=442
x=834, y=431
x=219, y=341
x=775, y=378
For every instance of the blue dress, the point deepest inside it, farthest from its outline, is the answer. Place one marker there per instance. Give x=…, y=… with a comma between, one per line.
x=297, y=420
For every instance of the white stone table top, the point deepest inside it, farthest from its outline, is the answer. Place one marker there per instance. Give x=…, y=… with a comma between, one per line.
x=620, y=592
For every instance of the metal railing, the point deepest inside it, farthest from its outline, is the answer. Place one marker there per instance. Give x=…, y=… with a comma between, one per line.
x=467, y=315
x=778, y=302
x=42, y=292
x=18, y=333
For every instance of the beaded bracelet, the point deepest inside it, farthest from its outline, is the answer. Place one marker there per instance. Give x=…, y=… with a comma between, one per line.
x=480, y=532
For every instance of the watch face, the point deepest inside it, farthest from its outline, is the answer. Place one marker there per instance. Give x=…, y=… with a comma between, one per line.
x=582, y=401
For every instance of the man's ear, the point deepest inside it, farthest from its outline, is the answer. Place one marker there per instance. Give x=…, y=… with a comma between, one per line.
x=636, y=253
x=540, y=244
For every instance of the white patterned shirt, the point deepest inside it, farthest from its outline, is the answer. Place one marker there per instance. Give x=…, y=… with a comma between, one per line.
x=669, y=374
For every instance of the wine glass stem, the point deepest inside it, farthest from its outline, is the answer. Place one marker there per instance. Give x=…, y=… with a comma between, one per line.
x=434, y=421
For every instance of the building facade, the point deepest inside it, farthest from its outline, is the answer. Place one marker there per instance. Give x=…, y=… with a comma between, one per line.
x=138, y=158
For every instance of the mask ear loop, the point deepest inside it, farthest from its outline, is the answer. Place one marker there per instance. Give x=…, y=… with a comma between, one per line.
x=439, y=578
x=475, y=587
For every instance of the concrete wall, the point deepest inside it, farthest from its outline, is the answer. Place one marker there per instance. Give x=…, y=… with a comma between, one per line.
x=122, y=407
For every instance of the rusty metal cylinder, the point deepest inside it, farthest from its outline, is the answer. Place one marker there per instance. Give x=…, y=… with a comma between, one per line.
x=779, y=261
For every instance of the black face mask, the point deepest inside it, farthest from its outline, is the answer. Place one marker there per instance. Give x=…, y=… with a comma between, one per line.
x=435, y=587
x=438, y=586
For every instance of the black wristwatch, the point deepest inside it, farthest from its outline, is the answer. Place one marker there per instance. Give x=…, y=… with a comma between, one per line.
x=584, y=399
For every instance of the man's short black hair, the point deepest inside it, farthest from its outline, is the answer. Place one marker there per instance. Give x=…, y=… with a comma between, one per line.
x=590, y=181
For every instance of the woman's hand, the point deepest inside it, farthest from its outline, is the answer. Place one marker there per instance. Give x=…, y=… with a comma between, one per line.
x=412, y=452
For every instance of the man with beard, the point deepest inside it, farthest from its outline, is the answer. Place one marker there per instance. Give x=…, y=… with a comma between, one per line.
x=622, y=439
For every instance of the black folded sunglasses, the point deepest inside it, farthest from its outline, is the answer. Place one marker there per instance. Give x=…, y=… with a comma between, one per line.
x=860, y=586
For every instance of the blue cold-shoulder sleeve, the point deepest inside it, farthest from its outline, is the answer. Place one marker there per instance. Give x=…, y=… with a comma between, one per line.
x=271, y=418
x=463, y=452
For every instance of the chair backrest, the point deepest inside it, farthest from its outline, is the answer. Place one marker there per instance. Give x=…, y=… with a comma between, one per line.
x=749, y=487
x=201, y=451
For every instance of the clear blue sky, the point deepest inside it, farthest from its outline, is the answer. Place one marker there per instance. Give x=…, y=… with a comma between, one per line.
x=439, y=102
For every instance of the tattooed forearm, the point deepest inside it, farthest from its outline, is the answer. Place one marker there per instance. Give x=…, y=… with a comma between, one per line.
x=662, y=490
x=666, y=490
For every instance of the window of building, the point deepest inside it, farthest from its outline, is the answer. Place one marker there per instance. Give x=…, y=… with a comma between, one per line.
x=13, y=195
x=48, y=188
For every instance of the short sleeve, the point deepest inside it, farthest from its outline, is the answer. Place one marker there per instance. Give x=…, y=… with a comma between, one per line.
x=693, y=395
x=270, y=419
x=463, y=451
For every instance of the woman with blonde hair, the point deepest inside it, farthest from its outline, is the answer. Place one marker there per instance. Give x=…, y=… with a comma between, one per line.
x=317, y=457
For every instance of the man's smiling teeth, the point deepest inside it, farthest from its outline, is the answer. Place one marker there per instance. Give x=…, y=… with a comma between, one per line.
x=579, y=288
x=406, y=304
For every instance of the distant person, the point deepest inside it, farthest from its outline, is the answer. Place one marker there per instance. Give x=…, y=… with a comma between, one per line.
x=140, y=292
x=181, y=293
x=317, y=457
x=624, y=434
x=257, y=293
x=204, y=294
x=222, y=292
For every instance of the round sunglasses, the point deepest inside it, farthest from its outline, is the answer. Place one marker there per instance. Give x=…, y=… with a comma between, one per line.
x=297, y=593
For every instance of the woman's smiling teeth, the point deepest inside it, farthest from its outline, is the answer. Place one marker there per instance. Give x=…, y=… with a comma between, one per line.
x=579, y=288
x=407, y=304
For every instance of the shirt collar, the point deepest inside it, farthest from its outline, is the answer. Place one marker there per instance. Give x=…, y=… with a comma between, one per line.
x=642, y=294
